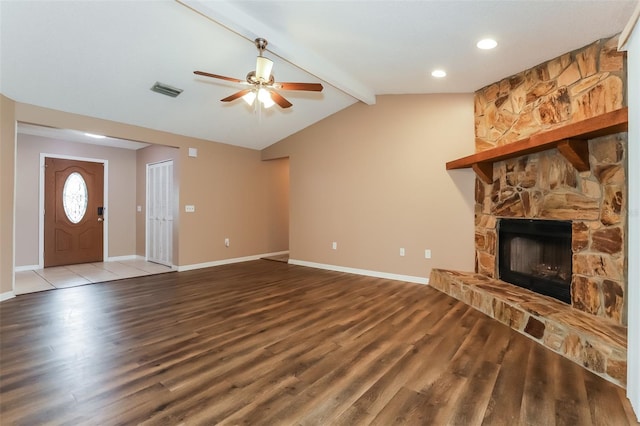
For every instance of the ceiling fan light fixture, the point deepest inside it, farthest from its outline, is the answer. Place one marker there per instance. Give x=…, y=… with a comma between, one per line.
x=261, y=81
x=263, y=69
x=438, y=73
x=264, y=96
x=250, y=97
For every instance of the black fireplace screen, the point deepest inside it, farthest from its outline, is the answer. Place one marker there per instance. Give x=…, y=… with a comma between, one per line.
x=536, y=254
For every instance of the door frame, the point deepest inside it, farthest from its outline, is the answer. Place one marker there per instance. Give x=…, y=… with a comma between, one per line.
x=105, y=238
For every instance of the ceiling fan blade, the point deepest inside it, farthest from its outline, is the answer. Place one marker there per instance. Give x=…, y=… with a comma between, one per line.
x=280, y=100
x=221, y=77
x=235, y=95
x=310, y=87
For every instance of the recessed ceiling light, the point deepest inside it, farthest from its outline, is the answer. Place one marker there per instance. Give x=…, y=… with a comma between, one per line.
x=438, y=73
x=92, y=135
x=487, y=43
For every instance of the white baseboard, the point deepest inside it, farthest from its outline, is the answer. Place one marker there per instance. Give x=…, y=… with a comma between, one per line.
x=6, y=296
x=276, y=253
x=368, y=273
x=138, y=257
x=26, y=268
x=228, y=261
x=121, y=258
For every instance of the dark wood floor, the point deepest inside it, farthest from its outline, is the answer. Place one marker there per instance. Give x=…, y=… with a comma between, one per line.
x=269, y=343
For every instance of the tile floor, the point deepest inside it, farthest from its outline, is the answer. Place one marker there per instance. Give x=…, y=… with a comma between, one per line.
x=85, y=273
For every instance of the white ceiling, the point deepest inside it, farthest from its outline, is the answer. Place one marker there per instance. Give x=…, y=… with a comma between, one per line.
x=100, y=58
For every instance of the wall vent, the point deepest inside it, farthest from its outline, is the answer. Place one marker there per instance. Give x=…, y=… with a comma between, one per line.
x=165, y=89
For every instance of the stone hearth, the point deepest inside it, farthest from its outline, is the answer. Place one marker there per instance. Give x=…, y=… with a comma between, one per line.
x=599, y=345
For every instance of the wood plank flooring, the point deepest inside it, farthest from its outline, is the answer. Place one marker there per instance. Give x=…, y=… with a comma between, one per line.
x=267, y=343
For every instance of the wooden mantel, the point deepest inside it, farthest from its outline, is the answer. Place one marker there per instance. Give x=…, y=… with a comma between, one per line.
x=570, y=140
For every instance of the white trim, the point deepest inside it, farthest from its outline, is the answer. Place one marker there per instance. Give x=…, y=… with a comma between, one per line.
x=276, y=253
x=123, y=258
x=6, y=296
x=368, y=273
x=628, y=29
x=633, y=208
x=24, y=268
x=105, y=201
x=227, y=261
x=138, y=257
x=13, y=212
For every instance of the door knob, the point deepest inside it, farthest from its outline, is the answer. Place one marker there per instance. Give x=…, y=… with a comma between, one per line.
x=100, y=219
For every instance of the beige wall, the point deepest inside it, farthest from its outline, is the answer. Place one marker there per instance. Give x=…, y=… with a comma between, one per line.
x=236, y=196
x=120, y=199
x=373, y=179
x=235, y=193
x=7, y=160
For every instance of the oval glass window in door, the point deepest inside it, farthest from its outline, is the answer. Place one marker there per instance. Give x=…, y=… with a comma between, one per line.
x=75, y=197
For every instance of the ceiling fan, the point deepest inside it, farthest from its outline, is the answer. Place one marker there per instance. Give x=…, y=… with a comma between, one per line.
x=262, y=83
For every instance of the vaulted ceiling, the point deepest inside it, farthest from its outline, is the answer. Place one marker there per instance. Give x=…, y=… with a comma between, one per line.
x=100, y=58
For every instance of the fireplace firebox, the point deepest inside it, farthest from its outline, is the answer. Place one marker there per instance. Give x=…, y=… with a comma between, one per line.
x=536, y=254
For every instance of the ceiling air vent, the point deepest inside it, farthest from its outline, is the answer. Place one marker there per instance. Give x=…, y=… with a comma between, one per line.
x=165, y=89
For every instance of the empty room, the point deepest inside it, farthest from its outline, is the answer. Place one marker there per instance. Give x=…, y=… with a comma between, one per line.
x=320, y=212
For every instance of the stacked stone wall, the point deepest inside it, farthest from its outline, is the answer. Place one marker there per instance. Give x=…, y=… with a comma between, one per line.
x=581, y=84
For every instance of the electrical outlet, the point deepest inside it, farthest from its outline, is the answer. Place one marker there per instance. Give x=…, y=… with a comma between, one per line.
x=427, y=254
x=226, y=242
x=334, y=245
x=189, y=208
x=401, y=251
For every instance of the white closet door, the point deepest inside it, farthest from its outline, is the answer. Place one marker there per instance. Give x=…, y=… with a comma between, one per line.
x=160, y=212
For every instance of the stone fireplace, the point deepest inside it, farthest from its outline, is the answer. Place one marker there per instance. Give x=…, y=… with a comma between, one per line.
x=546, y=186
x=582, y=84
x=530, y=171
